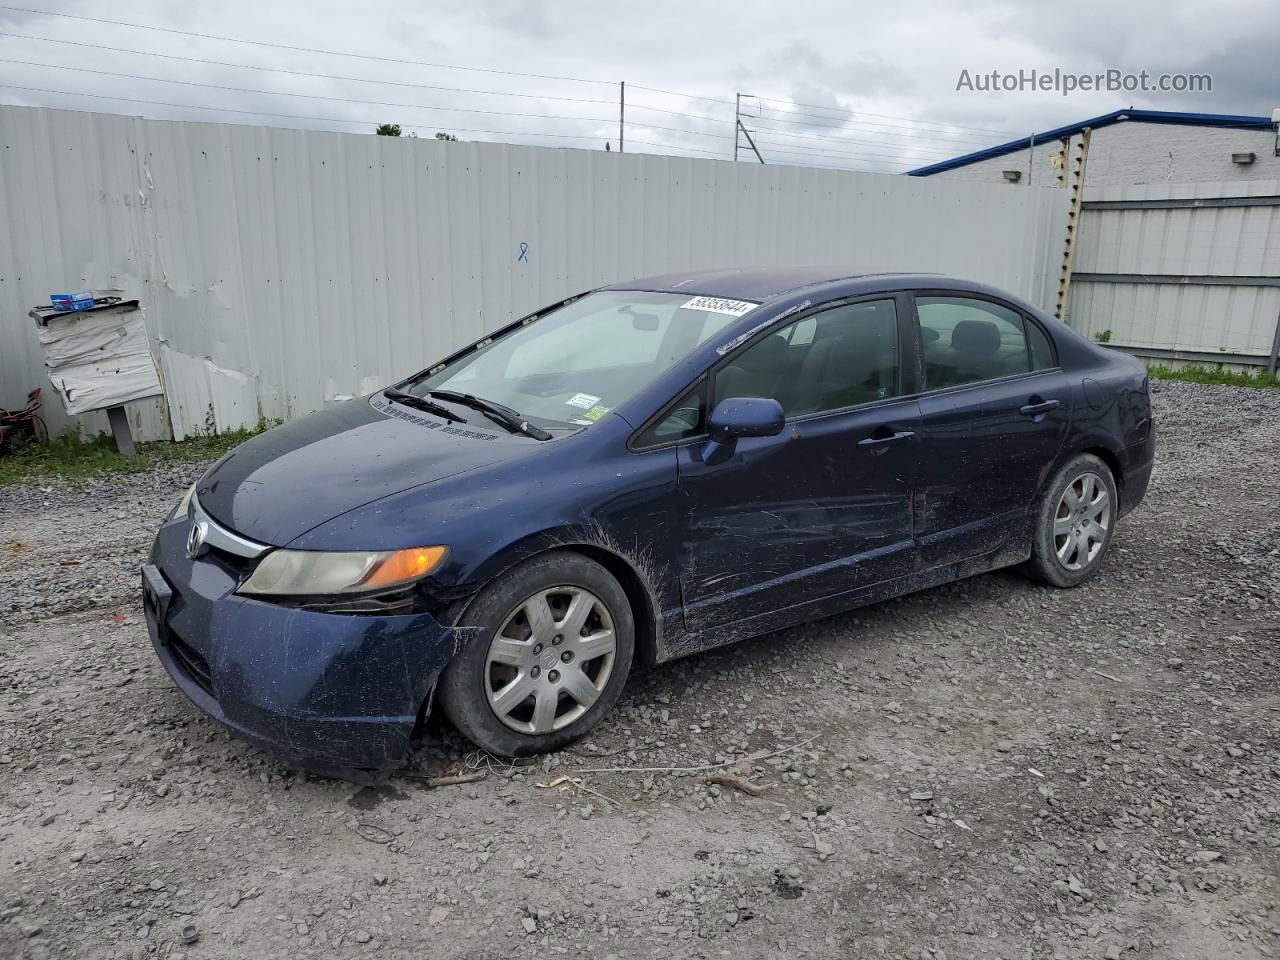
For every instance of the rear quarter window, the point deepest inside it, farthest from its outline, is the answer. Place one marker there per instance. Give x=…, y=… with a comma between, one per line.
x=1042, y=356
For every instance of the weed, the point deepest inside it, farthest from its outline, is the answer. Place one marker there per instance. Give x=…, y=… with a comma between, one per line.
x=1196, y=373
x=72, y=456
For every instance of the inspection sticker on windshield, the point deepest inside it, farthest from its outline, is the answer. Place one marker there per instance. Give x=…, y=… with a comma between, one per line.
x=584, y=400
x=734, y=308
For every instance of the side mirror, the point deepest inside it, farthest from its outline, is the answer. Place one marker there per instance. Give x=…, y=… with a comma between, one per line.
x=736, y=417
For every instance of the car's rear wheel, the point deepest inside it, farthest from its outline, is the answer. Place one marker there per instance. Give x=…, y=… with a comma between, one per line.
x=1075, y=523
x=554, y=640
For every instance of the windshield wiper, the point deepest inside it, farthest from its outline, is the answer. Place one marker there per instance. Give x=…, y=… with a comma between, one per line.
x=509, y=418
x=421, y=403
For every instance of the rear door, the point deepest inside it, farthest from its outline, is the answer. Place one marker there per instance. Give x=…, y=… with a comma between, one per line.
x=994, y=413
x=826, y=505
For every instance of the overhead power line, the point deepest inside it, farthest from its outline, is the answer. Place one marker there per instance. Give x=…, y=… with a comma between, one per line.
x=851, y=113
x=866, y=166
x=770, y=118
x=845, y=111
x=311, y=118
x=879, y=129
x=769, y=151
x=814, y=120
x=676, y=93
x=688, y=133
x=850, y=142
x=376, y=103
x=298, y=49
x=305, y=96
x=290, y=116
x=346, y=120
x=678, y=113
x=775, y=146
x=710, y=153
x=788, y=116
x=306, y=73
x=394, y=83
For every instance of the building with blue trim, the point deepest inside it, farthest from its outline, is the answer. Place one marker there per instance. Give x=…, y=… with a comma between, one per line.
x=1130, y=147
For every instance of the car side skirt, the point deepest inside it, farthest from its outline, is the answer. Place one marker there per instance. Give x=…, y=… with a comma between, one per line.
x=677, y=641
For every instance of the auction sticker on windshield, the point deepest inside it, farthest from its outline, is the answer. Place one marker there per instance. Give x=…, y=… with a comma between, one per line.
x=584, y=400
x=734, y=308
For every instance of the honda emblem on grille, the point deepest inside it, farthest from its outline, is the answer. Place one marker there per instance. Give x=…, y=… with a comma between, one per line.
x=195, y=539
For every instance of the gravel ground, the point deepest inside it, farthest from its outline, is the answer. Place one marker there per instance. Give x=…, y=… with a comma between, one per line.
x=990, y=769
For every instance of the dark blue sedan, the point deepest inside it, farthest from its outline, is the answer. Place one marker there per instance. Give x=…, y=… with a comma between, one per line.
x=644, y=471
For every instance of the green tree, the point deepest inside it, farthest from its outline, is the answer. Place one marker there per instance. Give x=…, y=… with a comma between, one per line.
x=388, y=130
x=441, y=135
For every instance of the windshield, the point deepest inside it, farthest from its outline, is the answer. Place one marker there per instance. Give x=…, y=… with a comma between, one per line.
x=575, y=364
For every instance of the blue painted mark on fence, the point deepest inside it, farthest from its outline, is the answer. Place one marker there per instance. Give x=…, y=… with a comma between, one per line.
x=524, y=253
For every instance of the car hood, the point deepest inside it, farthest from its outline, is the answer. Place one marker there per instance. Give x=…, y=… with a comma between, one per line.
x=282, y=483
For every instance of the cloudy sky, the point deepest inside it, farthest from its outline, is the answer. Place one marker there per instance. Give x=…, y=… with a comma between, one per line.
x=858, y=85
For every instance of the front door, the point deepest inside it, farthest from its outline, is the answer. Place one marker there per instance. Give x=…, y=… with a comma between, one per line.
x=994, y=413
x=823, y=507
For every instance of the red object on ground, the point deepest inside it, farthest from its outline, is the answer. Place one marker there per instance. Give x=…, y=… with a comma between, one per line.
x=20, y=427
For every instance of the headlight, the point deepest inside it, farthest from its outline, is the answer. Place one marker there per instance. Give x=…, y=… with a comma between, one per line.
x=315, y=573
x=185, y=503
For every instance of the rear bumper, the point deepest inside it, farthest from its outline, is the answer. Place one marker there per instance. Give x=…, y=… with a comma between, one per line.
x=337, y=694
x=1138, y=462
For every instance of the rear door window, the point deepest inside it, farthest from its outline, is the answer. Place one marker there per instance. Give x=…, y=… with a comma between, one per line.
x=966, y=340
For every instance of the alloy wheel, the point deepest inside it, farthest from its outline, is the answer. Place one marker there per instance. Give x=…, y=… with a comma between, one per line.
x=1081, y=522
x=550, y=660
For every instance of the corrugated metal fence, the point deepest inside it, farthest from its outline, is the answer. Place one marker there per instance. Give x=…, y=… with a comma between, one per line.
x=284, y=270
x=1186, y=272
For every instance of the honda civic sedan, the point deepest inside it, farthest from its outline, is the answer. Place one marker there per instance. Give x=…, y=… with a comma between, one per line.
x=634, y=474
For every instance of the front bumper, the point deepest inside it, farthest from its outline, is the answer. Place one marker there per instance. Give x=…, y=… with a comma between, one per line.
x=337, y=694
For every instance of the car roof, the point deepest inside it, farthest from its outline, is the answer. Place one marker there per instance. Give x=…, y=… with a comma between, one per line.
x=760, y=284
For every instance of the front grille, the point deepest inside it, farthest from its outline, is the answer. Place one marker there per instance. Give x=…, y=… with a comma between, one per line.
x=190, y=663
x=237, y=566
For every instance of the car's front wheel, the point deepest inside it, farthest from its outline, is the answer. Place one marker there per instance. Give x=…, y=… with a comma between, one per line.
x=1075, y=523
x=553, y=645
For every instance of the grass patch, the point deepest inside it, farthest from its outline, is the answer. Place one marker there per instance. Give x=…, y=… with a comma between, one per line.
x=72, y=457
x=1195, y=373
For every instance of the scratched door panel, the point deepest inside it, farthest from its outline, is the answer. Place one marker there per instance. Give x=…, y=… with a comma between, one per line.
x=983, y=461
x=797, y=517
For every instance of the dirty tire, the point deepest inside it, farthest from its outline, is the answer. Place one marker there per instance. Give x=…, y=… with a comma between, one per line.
x=466, y=686
x=1045, y=564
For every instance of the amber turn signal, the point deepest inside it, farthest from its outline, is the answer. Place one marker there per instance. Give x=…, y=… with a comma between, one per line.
x=402, y=565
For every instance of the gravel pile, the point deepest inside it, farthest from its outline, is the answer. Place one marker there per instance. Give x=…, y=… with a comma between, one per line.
x=989, y=769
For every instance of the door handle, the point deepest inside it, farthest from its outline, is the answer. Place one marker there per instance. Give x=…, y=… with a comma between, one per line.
x=881, y=441
x=1037, y=407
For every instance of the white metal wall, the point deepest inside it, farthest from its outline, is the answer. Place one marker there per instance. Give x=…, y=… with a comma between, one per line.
x=284, y=270
x=1226, y=319
x=1133, y=152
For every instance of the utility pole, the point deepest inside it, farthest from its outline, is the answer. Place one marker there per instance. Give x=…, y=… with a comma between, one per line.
x=740, y=130
x=622, y=110
x=737, y=122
